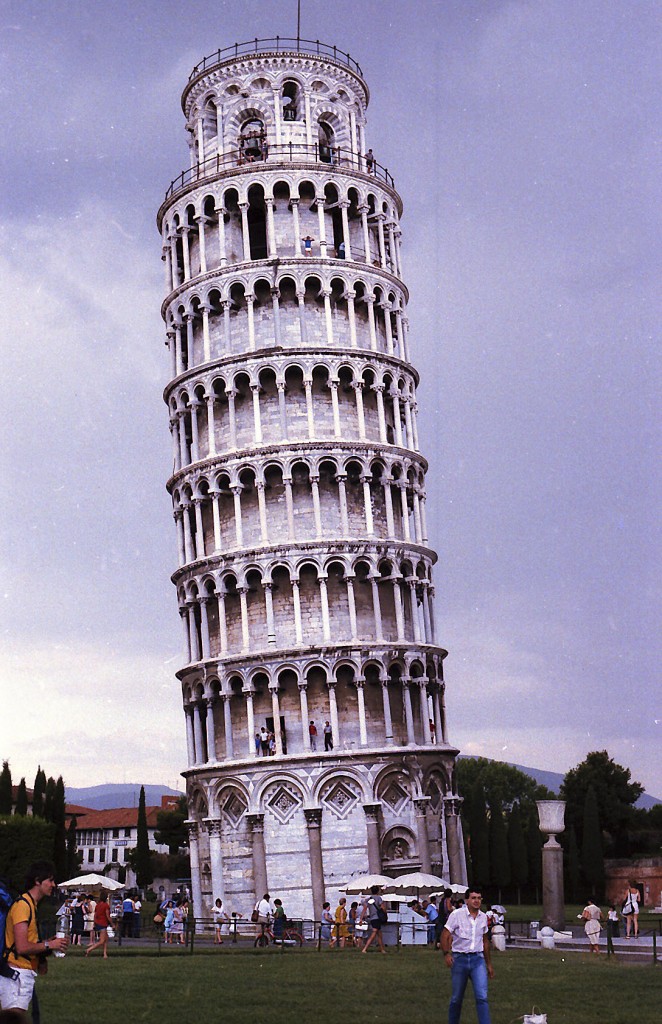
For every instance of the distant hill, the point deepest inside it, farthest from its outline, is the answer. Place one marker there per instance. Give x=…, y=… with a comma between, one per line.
x=101, y=798
x=553, y=781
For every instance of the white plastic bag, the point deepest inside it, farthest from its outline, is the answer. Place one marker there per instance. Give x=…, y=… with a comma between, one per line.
x=534, y=1017
x=110, y=932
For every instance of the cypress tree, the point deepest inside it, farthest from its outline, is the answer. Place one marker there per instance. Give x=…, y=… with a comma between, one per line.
x=593, y=865
x=572, y=870
x=519, y=865
x=534, y=842
x=499, y=858
x=144, y=874
x=49, y=798
x=72, y=853
x=21, y=799
x=59, y=820
x=6, y=800
x=479, y=838
x=38, y=793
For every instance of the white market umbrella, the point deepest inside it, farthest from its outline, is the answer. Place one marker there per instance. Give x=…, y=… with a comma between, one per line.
x=454, y=887
x=364, y=883
x=91, y=881
x=416, y=882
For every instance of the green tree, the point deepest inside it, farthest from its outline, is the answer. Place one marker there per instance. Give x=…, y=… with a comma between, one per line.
x=572, y=867
x=170, y=828
x=73, y=857
x=23, y=840
x=519, y=866
x=479, y=837
x=534, y=842
x=593, y=865
x=499, y=856
x=49, y=798
x=502, y=783
x=143, y=868
x=21, y=799
x=6, y=799
x=58, y=817
x=614, y=792
x=38, y=793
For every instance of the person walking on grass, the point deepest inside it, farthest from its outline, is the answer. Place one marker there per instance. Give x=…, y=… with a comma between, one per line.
x=466, y=950
x=101, y=926
x=25, y=952
x=373, y=911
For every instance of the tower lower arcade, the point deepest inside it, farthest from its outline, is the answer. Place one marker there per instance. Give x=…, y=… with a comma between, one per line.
x=312, y=680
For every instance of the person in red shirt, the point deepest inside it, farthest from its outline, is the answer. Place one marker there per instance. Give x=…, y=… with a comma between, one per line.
x=101, y=925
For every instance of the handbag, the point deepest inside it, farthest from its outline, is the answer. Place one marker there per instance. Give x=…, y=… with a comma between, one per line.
x=534, y=1018
x=255, y=917
x=382, y=916
x=110, y=931
x=158, y=919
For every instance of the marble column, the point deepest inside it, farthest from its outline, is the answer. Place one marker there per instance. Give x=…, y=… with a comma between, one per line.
x=213, y=826
x=372, y=829
x=452, y=814
x=313, y=817
x=193, y=829
x=256, y=823
x=421, y=805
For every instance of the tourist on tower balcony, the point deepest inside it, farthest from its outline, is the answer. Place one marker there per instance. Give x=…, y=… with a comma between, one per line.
x=328, y=736
x=312, y=732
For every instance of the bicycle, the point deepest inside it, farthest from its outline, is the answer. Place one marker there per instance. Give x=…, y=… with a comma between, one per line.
x=290, y=937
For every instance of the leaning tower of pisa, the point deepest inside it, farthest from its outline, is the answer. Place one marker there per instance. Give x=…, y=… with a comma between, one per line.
x=304, y=576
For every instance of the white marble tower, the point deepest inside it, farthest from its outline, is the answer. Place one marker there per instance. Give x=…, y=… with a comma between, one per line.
x=305, y=575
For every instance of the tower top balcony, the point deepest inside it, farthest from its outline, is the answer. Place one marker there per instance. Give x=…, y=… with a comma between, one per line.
x=276, y=45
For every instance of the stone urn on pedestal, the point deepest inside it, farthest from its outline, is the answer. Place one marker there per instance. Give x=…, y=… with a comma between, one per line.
x=551, y=815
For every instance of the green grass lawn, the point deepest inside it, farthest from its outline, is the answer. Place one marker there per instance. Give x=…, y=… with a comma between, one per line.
x=273, y=987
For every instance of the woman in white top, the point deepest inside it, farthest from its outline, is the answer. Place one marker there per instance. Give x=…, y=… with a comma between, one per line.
x=631, y=910
x=592, y=916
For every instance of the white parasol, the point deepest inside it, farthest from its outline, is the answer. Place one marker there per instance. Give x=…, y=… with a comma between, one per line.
x=91, y=881
x=364, y=883
x=416, y=883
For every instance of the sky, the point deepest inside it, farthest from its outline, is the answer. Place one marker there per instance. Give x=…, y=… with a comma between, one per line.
x=524, y=140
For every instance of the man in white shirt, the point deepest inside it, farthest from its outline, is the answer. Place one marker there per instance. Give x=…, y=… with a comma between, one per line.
x=466, y=950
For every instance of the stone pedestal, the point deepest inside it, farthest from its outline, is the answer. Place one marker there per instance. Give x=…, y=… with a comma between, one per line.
x=553, y=905
x=551, y=814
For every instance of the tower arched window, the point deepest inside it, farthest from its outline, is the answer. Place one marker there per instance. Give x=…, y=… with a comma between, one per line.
x=291, y=98
x=325, y=141
x=253, y=141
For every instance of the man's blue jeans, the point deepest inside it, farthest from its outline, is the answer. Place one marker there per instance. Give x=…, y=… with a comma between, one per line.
x=465, y=966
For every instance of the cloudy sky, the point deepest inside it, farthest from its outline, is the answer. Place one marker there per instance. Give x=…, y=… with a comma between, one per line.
x=523, y=138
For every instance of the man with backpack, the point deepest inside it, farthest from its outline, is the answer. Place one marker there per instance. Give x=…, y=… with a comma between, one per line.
x=24, y=952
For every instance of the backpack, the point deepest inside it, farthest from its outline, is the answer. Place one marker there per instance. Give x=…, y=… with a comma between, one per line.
x=7, y=901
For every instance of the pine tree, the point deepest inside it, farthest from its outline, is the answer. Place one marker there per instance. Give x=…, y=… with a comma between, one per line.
x=6, y=800
x=59, y=820
x=21, y=799
x=499, y=857
x=519, y=865
x=49, y=798
x=593, y=865
x=38, y=793
x=144, y=874
x=479, y=838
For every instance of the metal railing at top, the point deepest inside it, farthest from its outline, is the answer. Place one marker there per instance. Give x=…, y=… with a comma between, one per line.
x=277, y=44
x=288, y=152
